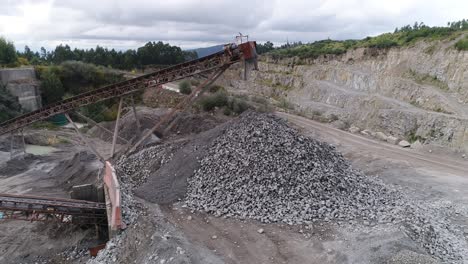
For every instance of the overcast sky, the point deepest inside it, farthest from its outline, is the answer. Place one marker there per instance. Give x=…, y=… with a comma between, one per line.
x=123, y=24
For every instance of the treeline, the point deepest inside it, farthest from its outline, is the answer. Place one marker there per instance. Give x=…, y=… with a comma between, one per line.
x=400, y=37
x=151, y=54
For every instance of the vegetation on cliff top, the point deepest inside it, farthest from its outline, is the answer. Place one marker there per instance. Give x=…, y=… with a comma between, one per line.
x=150, y=55
x=74, y=77
x=400, y=37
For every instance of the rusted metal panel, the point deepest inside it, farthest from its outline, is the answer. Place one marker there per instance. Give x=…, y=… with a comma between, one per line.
x=113, y=189
x=95, y=250
x=249, y=50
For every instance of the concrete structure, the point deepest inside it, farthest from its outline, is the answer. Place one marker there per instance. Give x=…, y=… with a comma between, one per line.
x=22, y=83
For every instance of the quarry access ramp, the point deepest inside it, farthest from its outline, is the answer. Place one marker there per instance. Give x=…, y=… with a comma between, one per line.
x=231, y=54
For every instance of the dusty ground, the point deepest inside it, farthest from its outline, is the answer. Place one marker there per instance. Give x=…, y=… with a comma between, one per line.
x=51, y=172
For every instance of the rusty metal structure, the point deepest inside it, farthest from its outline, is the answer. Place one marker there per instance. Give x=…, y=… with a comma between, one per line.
x=48, y=209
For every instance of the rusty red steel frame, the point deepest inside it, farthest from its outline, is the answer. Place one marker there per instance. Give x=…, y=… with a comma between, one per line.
x=228, y=56
x=49, y=209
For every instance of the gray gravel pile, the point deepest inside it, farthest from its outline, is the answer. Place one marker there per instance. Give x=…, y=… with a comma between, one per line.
x=262, y=169
x=138, y=166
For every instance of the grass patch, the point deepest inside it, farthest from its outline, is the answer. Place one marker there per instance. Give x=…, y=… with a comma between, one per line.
x=462, y=44
x=283, y=103
x=44, y=125
x=427, y=79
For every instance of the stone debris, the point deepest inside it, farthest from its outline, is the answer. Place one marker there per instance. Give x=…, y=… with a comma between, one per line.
x=381, y=136
x=392, y=140
x=354, y=129
x=404, y=144
x=262, y=169
x=416, y=145
x=261, y=231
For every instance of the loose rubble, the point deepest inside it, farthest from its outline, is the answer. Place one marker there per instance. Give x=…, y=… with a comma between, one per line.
x=262, y=169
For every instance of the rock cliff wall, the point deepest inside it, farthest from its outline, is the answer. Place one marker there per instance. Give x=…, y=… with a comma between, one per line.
x=416, y=92
x=22, y=83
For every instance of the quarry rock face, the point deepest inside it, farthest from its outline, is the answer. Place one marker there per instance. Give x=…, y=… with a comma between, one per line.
x=420, y=90
x=22, y=83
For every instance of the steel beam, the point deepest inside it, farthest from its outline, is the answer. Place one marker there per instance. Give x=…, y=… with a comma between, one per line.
x=181, y=104
x=85, y=140
x=98, y=125
x=136, y=116
x=116, y=129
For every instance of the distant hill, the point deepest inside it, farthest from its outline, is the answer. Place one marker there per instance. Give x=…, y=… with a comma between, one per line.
x=202, y=52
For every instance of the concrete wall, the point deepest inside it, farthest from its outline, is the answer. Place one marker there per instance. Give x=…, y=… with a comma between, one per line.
x=22, y=83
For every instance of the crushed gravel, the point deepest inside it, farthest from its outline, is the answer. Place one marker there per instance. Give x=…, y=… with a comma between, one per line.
x=262, y=169
x=258, y=167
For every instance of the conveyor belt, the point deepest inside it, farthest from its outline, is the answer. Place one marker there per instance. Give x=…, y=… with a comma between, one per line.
x=34, y=208
x=203, y=65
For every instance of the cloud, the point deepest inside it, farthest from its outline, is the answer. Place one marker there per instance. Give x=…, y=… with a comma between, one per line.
x=126, y=24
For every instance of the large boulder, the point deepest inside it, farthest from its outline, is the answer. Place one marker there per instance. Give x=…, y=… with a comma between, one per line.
x=381, y=136
x=392, y=140
x=404, y=144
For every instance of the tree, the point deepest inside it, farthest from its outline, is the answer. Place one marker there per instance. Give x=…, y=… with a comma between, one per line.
x=62, y=53
x=51, y=87
x=264, y=48
x=8, y=55
x=43, y=53
x=28, y=54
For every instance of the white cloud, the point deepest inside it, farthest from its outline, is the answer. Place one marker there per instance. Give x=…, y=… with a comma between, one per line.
x=125, y=24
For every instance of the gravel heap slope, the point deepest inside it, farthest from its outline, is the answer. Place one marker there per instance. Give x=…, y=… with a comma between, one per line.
x=262, y=169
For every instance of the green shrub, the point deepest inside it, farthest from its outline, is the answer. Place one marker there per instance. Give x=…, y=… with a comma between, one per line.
x=51, y=87
x=185, y=87
x=227, y=111
x=45, y=125
x=238, y=106
x=218, y=99
x=462, y=44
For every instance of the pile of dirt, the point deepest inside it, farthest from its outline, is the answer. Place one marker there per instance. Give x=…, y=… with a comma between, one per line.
x=78, y=169
x=17, y=165
x=148, y=117
x=186, y=124
x=157, y=97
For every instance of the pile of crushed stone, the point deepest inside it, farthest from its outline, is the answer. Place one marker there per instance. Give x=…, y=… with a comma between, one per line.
x=257, y=167
x=262, y=169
